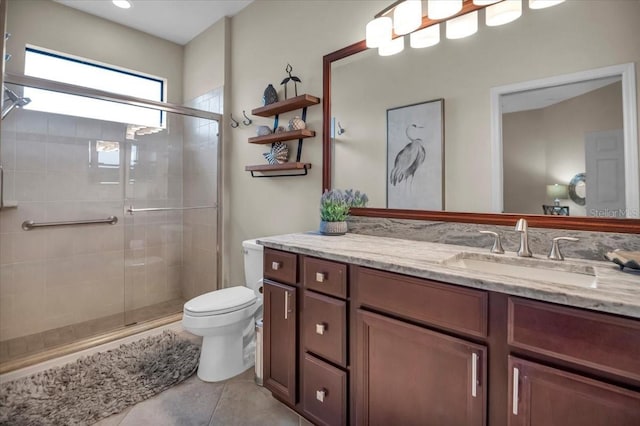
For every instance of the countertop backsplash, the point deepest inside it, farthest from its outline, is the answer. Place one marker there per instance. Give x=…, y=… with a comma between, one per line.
x=592, y=245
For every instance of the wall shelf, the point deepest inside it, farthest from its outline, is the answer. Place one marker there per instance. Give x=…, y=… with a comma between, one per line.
x=294, y=168
x=283, y=136
x=278, y=168
x=279, y=107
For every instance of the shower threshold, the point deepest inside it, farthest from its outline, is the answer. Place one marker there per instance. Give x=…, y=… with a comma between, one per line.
x=35, y=348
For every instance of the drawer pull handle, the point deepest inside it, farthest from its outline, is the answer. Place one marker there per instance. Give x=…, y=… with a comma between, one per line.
x=516, y=380
x=275, y=265
x=321, y=394
x=320, y=328
x=474, y=374
x=320, y=277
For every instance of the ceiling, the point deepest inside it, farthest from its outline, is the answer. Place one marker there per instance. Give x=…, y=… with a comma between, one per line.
x=178, y=21
x=542, y=98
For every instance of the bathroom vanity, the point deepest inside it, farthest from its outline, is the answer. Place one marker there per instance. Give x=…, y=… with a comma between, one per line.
x=372, y=330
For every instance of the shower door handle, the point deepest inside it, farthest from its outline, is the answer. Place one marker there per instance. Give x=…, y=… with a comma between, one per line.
x=1, y=187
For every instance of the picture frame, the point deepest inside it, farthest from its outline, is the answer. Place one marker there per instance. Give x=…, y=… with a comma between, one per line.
x=415, y=156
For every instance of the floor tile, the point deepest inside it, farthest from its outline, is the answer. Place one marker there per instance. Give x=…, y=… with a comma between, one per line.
x=115, y=419
x=190, y=403
x=243, y=403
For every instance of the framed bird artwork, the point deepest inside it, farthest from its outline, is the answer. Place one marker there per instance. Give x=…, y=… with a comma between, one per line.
x=415, y=156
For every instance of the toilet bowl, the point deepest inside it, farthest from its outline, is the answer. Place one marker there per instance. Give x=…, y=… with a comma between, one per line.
x=226, y=321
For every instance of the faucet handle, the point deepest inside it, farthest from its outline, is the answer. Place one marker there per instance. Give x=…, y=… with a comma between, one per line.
x=497, y=243
x=555, y=254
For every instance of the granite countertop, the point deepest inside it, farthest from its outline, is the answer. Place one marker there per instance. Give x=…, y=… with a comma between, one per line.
x=611, y=290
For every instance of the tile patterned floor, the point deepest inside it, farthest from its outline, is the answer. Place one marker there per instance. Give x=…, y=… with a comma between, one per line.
x=235, y=402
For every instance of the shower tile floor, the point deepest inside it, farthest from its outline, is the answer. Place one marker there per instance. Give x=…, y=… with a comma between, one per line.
x=20, y=347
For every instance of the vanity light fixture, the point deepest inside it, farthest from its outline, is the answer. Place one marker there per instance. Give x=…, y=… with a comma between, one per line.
x=122, y=4
x=460, y=18
x=462, y=26
x=541, y=4
x=425, y=37
x=502, y=13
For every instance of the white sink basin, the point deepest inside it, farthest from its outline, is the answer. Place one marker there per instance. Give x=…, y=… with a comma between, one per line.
x=526, y=268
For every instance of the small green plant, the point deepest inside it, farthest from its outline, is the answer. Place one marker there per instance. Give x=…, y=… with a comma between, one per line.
x=335, y=204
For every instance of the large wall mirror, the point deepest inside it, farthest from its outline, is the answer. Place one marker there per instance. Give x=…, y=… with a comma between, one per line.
x=526, y=107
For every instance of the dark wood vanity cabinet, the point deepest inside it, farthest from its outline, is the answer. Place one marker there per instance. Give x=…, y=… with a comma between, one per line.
x=346, y=344
x=280, y=340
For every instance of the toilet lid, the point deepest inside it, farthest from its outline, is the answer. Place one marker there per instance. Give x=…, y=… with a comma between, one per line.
x=220, y=301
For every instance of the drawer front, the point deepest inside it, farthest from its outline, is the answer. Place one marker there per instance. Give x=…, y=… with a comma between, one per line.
x=325, y=392
x=324, y=327
x=443, y=305
x=605, y=342
x=281, y=266
x=325, y=277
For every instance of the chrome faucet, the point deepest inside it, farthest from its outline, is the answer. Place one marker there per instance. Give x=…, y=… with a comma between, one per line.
x=523, y=228
x=555, y=254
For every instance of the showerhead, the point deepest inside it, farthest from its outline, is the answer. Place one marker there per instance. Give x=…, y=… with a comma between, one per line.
x=16, y=101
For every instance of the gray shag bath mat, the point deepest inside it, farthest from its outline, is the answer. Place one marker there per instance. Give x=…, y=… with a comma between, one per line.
x=99, y=385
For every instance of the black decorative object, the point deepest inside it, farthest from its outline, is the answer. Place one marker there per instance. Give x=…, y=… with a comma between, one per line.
x=293, y=78
x=270, y=95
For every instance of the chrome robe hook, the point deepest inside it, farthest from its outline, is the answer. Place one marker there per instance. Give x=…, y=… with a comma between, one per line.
x=234, y=122
x=248, y=121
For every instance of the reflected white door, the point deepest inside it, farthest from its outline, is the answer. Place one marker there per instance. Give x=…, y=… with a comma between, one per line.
x=605, y=174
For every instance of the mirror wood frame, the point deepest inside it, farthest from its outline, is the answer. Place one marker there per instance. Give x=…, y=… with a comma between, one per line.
x=583, y=223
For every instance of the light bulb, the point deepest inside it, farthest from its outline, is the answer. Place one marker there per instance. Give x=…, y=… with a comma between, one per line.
x=379, y=31
x=462, y=26
x=503, y=12
x=426, y=37
x=407, y=16
x=122, y=4
x=391, y=48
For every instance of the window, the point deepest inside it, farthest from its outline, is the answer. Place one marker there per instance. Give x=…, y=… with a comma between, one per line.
x=54, y=66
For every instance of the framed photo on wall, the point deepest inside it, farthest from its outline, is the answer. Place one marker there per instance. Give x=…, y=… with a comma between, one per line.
x=415, y=156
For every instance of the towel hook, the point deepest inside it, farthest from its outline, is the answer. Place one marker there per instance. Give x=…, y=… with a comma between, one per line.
x=340, y=129
x=248, y=120
x=234, y=122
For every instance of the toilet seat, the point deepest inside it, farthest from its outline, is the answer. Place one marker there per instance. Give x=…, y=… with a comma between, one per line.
x=220, y=302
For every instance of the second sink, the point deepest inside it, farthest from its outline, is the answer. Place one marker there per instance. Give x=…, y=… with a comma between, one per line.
x=525, y=268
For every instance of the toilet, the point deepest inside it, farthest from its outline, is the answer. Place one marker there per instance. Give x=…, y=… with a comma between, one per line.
x=226, y=321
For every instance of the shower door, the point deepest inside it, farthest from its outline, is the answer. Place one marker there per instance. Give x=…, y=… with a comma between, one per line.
x=104, y=224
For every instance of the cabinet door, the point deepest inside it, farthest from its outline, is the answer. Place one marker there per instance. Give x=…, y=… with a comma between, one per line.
x=280, y=340
x=408, y=375
x=544, y=396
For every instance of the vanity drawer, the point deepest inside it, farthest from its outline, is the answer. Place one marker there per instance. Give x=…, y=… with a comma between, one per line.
x=281, y=266
x=324, y=327
x=325, y=392
x=325, y=276
x=444, y=305
x=604, y=342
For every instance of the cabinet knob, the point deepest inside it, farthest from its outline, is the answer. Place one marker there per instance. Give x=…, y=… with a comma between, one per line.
x=320, y=394
x=275, y=265
x=320, y=277
x=320, y=328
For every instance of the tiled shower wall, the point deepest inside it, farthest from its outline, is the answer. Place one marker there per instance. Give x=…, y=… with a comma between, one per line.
x=201, y=150
x=54, y=277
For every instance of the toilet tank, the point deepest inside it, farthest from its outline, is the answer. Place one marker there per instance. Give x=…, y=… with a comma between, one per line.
x=253, y=265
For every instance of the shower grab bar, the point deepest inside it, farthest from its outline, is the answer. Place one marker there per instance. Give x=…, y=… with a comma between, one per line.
x=28, y=225
x=132, y=210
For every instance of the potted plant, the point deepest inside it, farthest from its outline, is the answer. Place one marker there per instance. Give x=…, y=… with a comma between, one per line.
x=334, y=209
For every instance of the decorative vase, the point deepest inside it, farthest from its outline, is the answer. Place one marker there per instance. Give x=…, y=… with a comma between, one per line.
x=270, y=95
x=333, y=228
x=297, y=123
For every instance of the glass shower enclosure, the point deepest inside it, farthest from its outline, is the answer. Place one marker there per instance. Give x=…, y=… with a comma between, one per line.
x=105, y=225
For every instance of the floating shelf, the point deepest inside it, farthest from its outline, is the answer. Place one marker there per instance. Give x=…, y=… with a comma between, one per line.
x=276, y=108
x=278, y=168
x=283, y=136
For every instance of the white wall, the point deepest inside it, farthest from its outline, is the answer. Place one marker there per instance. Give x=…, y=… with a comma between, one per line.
x=47, y=24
